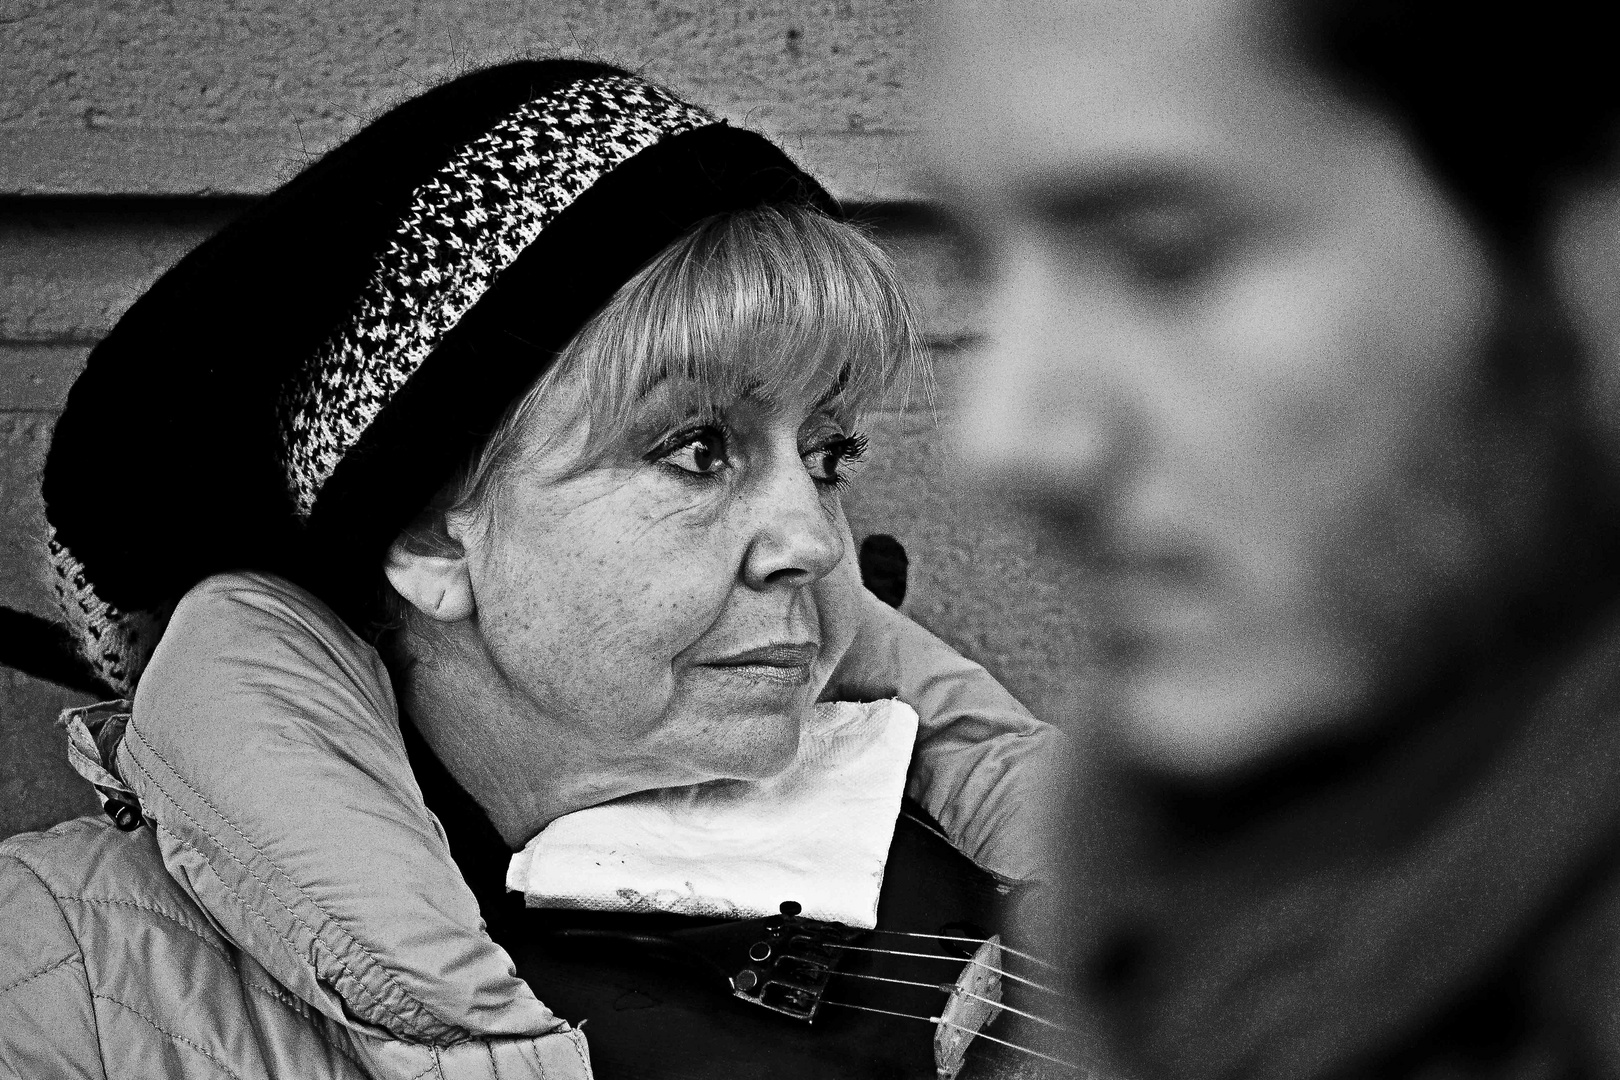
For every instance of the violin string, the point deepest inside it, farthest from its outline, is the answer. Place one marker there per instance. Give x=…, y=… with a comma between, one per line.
x=885, y=978
x=939, y=1020
x=1003, y=1005
x=970, y=941
x=873, y=1008
x=949, y=988
x=957, y=959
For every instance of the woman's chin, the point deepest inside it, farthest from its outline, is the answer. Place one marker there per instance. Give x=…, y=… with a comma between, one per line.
x=758, y=747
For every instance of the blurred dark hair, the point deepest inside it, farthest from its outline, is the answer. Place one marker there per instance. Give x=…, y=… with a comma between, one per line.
x=1507, y=102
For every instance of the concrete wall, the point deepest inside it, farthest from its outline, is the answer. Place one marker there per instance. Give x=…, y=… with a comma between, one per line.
x=131, y=130
x=165, y=97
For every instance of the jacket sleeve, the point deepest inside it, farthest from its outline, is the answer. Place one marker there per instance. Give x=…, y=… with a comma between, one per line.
x=47, y=1016
x=265, y=748
x=985, y=768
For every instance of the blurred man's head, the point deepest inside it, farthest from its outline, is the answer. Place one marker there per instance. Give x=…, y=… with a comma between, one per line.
x=1275, y=342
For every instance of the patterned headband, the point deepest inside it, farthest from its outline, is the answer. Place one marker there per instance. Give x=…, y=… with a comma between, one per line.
x=465, y=225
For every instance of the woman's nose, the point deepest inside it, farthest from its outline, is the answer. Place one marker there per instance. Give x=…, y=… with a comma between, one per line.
x=796, y=539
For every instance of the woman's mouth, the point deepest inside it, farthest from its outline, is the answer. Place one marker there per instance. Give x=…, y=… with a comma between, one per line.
x=785, y=663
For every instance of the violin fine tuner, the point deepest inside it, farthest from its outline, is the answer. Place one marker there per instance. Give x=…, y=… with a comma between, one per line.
x=790, y=963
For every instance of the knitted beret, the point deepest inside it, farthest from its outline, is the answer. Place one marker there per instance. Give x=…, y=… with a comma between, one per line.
x=292, y=393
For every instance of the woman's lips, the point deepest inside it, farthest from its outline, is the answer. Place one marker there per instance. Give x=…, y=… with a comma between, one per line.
x=787, y=663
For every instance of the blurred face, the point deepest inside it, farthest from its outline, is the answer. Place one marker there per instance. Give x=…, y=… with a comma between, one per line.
x=675, y=607
x=1236, y=363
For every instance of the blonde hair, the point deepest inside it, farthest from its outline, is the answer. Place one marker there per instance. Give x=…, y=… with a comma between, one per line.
x=765, y=301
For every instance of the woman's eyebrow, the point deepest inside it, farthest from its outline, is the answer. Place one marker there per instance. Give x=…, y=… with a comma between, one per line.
x=669, y=398
x=835, y=389
x=654, y=398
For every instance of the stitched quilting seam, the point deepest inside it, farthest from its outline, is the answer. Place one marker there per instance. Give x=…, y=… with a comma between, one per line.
x=278, y=994
x=173, y=1036
x=151, y=909
x=386, y=976
x=101, y=1053
x=292, y=1005
x=250, y=909
x=578, y=1038
x=39, y=972
x=344, y=936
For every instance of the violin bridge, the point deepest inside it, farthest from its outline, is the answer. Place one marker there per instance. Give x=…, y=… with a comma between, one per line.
x=971, y=1006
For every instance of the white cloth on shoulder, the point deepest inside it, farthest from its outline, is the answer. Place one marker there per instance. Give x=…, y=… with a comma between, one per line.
x=818, y=833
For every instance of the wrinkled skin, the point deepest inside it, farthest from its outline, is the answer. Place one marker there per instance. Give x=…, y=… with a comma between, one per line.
x=598, y=635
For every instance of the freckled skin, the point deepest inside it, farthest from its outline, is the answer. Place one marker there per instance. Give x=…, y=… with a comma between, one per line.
x=604, y=597
x=1238, y=340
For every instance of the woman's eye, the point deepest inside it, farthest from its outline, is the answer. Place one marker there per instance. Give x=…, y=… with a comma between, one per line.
x=827, y=461
x=701, y=452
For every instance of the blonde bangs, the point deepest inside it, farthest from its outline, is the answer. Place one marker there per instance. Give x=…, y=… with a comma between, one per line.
x=777, y=302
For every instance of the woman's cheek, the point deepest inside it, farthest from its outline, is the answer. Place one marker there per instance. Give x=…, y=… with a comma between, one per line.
x=838, y=606
x=684, y=591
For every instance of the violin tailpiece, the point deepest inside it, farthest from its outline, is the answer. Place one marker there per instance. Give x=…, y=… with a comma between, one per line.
x=972, y=1005
x=790, y=964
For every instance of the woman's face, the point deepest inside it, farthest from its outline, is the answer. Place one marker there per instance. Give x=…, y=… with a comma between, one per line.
x=679, y=604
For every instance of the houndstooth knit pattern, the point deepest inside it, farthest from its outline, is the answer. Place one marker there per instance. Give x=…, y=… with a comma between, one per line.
x=116, y=643
x=465, y=225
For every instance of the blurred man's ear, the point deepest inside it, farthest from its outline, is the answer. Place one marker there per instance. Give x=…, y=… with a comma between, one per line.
x=436, y=582
x=1584, y=257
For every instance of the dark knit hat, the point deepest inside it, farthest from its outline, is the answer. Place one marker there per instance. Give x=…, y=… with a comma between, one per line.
x=297, y=389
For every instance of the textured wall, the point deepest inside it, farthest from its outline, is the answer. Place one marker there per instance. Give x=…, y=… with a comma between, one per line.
x=227, y=96
x=115, y=116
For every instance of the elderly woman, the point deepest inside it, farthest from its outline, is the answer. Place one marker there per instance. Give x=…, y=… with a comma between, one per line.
x=544, y=385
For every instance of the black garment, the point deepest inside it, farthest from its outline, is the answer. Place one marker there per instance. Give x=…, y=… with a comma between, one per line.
x=475, y=845
x=1439, y=899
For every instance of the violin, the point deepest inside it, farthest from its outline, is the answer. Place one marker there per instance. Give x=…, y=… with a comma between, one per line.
x=931, y=993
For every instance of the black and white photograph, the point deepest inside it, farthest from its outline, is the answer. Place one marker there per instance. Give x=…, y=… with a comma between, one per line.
x=809, y=539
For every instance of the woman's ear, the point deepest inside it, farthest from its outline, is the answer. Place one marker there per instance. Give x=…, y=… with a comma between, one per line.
x=439, y=585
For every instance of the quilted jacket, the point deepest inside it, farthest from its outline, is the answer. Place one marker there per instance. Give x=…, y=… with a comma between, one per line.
x=291, y=908
x=108, y=968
